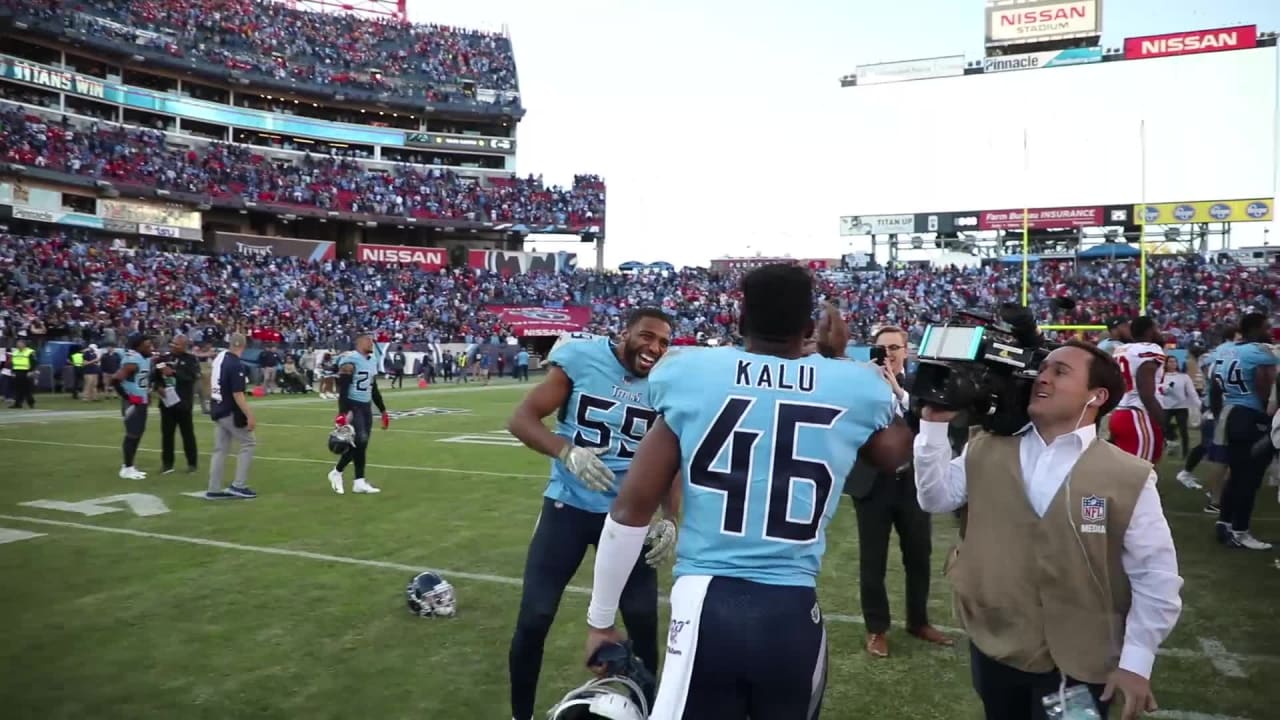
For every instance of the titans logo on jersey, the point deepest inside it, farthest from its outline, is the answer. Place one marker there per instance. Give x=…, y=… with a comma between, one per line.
x=362, y=377
x=1235, y=366
x=138, y=384
x=608, y=408
x=765, y=444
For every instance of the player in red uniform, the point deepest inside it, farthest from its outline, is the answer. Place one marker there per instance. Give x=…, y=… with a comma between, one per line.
x=1137, y=423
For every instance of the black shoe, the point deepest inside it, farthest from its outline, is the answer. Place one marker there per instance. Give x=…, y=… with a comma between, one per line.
x=167, y=471
x=242, y=492
x=218, y=495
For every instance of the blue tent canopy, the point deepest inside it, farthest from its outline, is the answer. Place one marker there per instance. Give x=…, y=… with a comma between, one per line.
x=1109, y=250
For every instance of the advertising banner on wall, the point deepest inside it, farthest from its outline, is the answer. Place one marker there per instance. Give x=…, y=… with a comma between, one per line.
x=153, y=213
x=1038, y=60
x=428, y=259
x=877, y=224
x=1191, y=43
x=514, y=262
x=264, y=245
x=1206, y=211
x=528, y=321
x=1010, y=23
x=923, y=69
x=1042, y=218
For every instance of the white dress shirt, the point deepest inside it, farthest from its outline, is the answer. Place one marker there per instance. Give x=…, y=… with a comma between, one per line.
x=1148, y=555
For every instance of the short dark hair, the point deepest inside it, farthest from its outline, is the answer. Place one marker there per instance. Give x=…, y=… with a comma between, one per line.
x=1252, y=323
x=1142, y=326
x=649, y=312
x=777, y=302
x=1104, y=372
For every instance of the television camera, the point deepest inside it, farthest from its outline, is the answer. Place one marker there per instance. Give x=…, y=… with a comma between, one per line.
x=983, y=364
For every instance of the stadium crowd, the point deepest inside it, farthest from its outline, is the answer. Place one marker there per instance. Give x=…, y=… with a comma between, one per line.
x=91, y=290
x=273, y=40
x=140, y=156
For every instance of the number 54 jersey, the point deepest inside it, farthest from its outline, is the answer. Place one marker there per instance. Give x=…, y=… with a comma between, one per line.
x=765, y=446
x=608, y=408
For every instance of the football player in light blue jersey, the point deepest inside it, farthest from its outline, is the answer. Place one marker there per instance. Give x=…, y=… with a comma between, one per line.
x=133, y=382
x=600, y=395
x=357, y=387
x=1210, y=449
x=1246, y=374
x=763, y=439
x=1117, y=334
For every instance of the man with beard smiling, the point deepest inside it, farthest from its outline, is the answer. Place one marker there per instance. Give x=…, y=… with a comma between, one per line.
x=1066, y=573
x=600, y=391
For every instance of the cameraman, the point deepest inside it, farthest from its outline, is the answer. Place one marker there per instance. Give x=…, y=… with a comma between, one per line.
x=180, y=370
x=884, y=502
x=1036, y=582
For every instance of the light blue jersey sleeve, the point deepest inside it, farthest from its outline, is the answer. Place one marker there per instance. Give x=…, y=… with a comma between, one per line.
x=139, y=385
x=1237, y=367
x=765, y=445
x=364, y=372
x=608, y=409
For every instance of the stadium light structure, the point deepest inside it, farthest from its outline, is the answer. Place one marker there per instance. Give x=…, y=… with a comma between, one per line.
x=387, y=9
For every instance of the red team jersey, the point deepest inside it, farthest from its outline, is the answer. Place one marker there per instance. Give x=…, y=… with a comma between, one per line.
x=1131, y=427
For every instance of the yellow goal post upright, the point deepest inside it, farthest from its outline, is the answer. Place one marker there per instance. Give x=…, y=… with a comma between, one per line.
x=1141, y=212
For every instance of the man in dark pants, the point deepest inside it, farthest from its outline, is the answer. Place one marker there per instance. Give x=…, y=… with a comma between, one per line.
x=599, y=392
x=22, y=360
x=884, y=503
x=398, y=362
x=186, y=373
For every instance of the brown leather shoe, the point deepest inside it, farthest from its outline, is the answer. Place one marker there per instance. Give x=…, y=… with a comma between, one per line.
x=932, y=634
x=877, y=645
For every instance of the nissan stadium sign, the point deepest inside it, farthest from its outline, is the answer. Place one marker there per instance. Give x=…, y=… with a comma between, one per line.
x=1011, y=22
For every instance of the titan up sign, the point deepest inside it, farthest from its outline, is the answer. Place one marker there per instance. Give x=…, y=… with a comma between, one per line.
x=1191, y=43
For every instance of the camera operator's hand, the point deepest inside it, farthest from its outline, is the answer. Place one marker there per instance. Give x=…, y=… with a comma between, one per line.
x=930, y=413
x=833, y=332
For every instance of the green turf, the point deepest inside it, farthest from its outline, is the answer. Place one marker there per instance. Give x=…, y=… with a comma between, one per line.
x=107, y=625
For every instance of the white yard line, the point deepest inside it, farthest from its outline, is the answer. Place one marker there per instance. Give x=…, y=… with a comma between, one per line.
x=479, y=577
x=314, y=461
x=1223, y=661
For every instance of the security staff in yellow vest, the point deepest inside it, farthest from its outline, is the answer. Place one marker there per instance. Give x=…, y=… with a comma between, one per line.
x=77, y=367
x=1066, y=573
x=22, y=361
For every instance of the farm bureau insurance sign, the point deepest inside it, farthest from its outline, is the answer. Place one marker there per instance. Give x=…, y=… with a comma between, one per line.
x=1008, y=24
x=1041, y=218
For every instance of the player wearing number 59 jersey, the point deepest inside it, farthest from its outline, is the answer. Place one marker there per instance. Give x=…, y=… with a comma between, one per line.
x=357, y=388
x=1137, y=424
x=600, y=395
x=763, y=439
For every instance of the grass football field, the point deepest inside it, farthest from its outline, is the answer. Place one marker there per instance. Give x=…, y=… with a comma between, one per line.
x=292, y=605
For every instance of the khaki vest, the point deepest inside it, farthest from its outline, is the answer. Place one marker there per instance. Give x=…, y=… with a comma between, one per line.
x=1024, y=591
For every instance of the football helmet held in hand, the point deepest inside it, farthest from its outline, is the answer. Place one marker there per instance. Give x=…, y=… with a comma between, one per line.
x=342, y=439
x=430, y=595
x=624, y=693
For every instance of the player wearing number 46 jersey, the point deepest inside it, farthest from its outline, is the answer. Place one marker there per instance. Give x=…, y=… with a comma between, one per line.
x=600, y=395
x=763, y=439
x=1137, y=424
x=357, y=388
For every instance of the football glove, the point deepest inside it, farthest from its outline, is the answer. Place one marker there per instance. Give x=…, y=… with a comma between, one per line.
x=661, y=541
x=386, y=420
x=586, y=465
x=137, y=399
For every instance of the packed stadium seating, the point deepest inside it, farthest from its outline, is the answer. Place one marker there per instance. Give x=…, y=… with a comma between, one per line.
x=87, y=289
x=141, y=156
x=274, y=41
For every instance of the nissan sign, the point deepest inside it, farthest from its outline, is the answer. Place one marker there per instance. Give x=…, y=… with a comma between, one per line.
x=1009, y=24
x=1191, y=43
x=429, y=259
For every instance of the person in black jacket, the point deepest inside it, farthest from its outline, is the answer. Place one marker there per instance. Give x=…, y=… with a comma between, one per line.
x=885, y=502
x=179, y=370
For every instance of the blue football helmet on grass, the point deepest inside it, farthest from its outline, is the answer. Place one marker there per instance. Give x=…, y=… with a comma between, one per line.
x=430, y=595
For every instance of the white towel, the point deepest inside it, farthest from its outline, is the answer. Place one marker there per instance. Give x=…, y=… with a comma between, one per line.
x=687, y=596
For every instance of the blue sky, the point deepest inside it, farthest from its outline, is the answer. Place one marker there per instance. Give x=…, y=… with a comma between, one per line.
x=679, y=105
